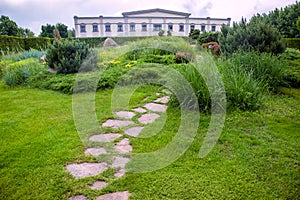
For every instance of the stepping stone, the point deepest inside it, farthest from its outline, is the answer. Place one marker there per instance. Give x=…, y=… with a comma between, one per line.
x=78, y=197
x=164, y=99
x=114, y=123
x=109, y=137
x=86, y=169
x=156, y=107
x=140, y=110
x=120, y=173
x=166, y=91
x=123, y=146
x=134, y=131
x=98, y=185
x=125, y=114
x=115, y=196
x=157, y=93
x=120, y=162
x=95, y=151
x=148, y=118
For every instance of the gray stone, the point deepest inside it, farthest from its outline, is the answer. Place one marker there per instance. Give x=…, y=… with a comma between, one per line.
x=115, y=196
x=114, y=123
x=166, y=91
x=120, y=173
x=98, y=185
x=134, y=131
x=95, y=151
x=123, y=146
x=109, y=137
x=148, y=118
x=78, y=197
x=164, y=99
x=156, y=107
x=109, y=43
x=140, y=110
x=86, y=169
x=125, y=114
x=120, y=162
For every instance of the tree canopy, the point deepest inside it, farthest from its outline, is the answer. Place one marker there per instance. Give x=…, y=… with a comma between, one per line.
x=48, y=30
x=10, y=28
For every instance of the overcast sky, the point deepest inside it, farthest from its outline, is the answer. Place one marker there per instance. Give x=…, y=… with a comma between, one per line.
x=33, y=14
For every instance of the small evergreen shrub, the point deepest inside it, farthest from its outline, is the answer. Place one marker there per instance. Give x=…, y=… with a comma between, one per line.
x=66, y=56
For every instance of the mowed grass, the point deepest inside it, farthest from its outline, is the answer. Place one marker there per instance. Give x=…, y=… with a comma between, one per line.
x=256, y=157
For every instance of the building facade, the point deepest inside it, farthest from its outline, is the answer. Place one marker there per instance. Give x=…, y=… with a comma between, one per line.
x=145, y=23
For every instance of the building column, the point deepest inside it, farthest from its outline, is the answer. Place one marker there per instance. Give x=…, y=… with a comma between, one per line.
x=187, y=27
x=150, y=27
x=165, y=25
x=126, y=25
x=101, y=25
x=208, y=24
x=76, y=26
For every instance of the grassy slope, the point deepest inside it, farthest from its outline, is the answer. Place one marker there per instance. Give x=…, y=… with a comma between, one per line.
x=257, y=156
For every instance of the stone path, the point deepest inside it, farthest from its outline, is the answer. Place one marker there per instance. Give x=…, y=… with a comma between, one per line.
x=145, y=115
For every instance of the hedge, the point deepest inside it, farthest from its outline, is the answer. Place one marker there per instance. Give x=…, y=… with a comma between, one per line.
x=16, y=44
x=291, y=42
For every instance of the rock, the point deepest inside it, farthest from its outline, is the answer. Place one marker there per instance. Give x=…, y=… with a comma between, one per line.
x=115, y=196
x=95, y=151
x=98, y=185
x=109, y=43
x=120, y=162
x=113, y=123
x=43, y=58
x=78, y=197
x=134, y=131
x=123, y=146
x=86, y=169
x=156, y=107
x=164, y=99
x=139, y=110
x=148, y=118
x=120, y=173
x=125, y=114
x=108, y=137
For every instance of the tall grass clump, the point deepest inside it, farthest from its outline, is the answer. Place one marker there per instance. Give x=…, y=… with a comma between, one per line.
x=19, y=72
x=23, y=55
x=262, y=66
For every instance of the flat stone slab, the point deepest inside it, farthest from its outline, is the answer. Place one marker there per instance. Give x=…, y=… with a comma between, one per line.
x=134, y=131
x=139, y=110
x=120, y=162
x=156, y=107
x=164, y=99
x=120, y=173
x=86, y=169
x=125, y=114
x=115, y=196
x=95, y=151
x=108, y=137
x=123, y=146
x=148, y=118
x=166, y=91
x=78, y=197
x=98, y=185
x=114, y=123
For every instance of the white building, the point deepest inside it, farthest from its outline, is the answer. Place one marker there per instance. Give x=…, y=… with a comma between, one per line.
x=145, y=23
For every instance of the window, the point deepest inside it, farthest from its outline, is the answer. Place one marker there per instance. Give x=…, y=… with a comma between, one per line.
x=132, y=27
x=82, y=28
x=192, y=27
x=213, y=28
x=181, y=27
x=157, y=27
x=170, y=27
x=202, y=27
x=107, y=27
x=144, y=27
x=120, y=27
x=95, y=27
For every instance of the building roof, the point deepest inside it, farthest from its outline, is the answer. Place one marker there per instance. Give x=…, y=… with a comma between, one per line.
x=155, y=10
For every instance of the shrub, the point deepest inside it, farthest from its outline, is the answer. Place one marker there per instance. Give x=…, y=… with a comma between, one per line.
x=161, y=33
x=194, y=34
x=263, y=66
x=19, y=72
x=66, y=56
x=291, y=42
x=206, y=37
x=23, y=55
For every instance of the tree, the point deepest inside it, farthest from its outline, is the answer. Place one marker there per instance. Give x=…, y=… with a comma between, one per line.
x=63, y=30
x=71, y=33
x=194, y=34
x=298, y=24
x=47, y=30
x=161, y=33
x=9, y=27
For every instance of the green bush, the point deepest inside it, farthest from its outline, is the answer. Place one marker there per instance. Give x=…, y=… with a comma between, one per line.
x=291, y=42
x=206, y=37
x=19, y=72
x=66, y=56
x=263, y=66
x=22, y=55
x=39, y=43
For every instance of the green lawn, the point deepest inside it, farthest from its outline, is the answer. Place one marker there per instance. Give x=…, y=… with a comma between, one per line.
x=256, y=157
